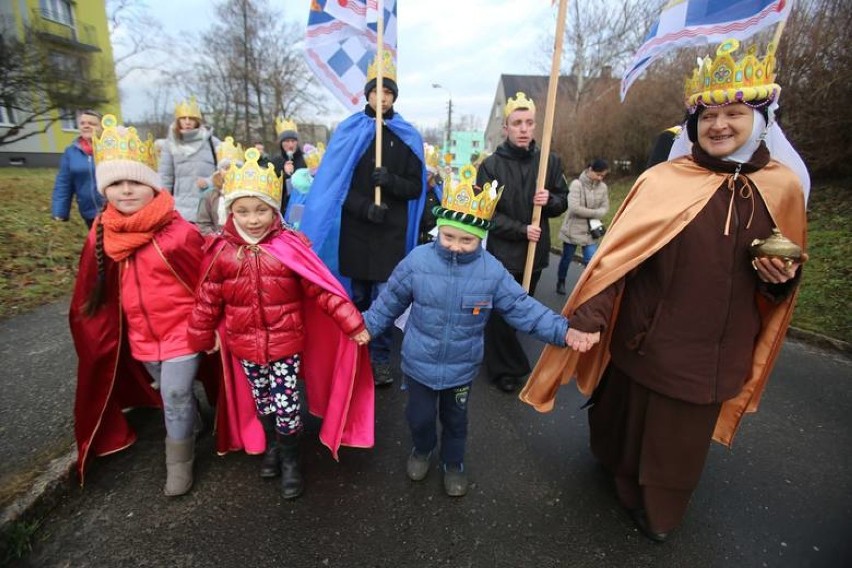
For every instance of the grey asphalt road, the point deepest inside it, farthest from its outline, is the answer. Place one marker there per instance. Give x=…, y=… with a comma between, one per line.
x=780, y=497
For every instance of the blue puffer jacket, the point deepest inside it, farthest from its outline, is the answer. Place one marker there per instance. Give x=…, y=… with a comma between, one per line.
x=451, y=297
x=76, y=177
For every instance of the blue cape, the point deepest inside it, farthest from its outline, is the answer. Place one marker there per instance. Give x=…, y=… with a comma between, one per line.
x=321, y=217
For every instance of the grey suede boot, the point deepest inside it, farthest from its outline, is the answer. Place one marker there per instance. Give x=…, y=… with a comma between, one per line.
x=180, y=456
x=270, y=466
x=292, y=483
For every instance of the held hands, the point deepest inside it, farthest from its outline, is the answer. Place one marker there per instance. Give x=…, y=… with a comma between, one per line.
x=362, y=337
x=201, y=183
x=580, y=340
x=216, y=347
x=773, y=270
x=376, y=213
x=533, y=233
x=541, y=196
x=382, y=177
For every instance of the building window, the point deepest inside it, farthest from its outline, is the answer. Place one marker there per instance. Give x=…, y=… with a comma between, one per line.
x=7, y=115
x=68, y=119
x=58, y=11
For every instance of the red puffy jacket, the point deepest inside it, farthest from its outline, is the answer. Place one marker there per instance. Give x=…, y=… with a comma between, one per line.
x=156, y=300
x=262, y=301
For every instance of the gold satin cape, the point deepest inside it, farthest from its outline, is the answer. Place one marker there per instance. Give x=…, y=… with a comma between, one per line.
x=663, y=201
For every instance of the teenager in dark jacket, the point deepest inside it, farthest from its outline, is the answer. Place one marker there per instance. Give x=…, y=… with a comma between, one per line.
x=515, y=165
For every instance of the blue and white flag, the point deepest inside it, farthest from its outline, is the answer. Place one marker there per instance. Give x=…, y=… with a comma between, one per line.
x=340, y=43
x=694, y=22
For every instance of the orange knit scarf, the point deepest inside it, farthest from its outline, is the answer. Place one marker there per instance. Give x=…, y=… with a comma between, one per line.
x=123, y=234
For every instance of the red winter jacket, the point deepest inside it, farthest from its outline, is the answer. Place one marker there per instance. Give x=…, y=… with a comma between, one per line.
x=262, y=302
x=155, y=300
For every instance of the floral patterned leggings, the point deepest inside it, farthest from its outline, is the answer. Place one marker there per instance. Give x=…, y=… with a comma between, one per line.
x=273, y=387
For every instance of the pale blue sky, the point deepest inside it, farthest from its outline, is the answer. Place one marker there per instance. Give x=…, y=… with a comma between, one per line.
x=463, y=45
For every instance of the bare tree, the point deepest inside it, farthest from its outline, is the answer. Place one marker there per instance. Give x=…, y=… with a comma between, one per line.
x=250, y=70
x=39, y=86
x=138, y=40
x=815, y=72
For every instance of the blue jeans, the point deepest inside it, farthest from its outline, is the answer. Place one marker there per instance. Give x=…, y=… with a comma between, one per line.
x=364, y=292
x=568, y=254
x=451, y=406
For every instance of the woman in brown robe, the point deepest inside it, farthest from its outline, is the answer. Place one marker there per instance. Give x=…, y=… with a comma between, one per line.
x=674, y=327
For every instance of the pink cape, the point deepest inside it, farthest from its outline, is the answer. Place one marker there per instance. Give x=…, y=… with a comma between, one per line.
x=337, y=372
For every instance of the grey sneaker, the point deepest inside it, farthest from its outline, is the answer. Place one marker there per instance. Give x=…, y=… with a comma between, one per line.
x=455, y=481
x=417, y=467
x=382, y=374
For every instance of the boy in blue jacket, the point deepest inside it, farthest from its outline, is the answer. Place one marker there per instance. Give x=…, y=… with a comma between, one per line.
x=453, y=285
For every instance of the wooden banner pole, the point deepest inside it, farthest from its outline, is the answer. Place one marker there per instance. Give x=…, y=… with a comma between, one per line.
x=547, y=130
x=380, y=92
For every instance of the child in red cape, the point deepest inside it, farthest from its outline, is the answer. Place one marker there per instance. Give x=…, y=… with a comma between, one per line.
x=128, y=316
x=275, y=304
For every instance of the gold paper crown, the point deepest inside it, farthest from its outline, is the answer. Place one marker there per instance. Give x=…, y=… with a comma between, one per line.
x=188, y=108
x=227, y=151
x=282, y=124
x=433, y=157
x=465, y=198
x=724, y=80
x=520, y=101
x=250, y=179
x=313, y=158
x=119, y=143
x=388, y=67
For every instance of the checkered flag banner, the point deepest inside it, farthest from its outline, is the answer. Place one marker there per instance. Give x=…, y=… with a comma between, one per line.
x=340, y=42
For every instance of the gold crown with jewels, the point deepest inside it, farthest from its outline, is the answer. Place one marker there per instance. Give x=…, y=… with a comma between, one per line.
x=725, y=80
x=518, y=102
x=188, y=108
x=228, y=151
x=251, y=178
x=282, y=124
x=388, y=67
x=433, y=157
x=119, y=143
x=465, y=202
x=313, y=156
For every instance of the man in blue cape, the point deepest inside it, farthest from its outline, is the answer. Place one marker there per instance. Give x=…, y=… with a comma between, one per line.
x=360, y=241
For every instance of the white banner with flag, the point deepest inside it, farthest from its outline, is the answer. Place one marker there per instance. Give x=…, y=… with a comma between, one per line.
x=695, y=22
x=340, y=42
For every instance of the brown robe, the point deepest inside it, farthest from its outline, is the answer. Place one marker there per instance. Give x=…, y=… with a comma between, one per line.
x=662, y=203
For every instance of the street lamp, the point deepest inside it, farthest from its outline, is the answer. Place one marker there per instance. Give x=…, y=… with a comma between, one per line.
x=449, y=116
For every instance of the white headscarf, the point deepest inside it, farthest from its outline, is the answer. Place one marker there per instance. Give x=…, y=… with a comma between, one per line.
x=776, y=142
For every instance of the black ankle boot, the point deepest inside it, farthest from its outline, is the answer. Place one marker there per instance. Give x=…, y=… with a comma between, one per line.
x=560, y=287
x=291, y=472
x=270, y=466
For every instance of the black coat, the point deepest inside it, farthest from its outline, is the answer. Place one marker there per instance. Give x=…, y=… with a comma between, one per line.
x=370, y=251
x=516, y=169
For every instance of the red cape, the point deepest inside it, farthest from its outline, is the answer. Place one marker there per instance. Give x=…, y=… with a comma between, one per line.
x=109, y=380
x=337, y=372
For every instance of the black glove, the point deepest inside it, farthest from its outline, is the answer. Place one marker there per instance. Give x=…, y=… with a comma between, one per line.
x=382, y=177
x=376, y=213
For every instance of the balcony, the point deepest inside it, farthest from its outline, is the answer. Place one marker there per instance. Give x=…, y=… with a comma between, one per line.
x=51, y=27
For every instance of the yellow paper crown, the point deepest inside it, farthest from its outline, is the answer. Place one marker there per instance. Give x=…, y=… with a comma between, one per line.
x=188, y=108
x=119, y=143
x=464, y=198
x=433, y=157
x=228, y=151
x=314, y=157
x=252, y=180
x=388, y=67
x=725, y=80
x=520, y=101
x=282, y=124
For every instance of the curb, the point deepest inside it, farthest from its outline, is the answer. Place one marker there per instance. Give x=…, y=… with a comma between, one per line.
x=46, y=491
